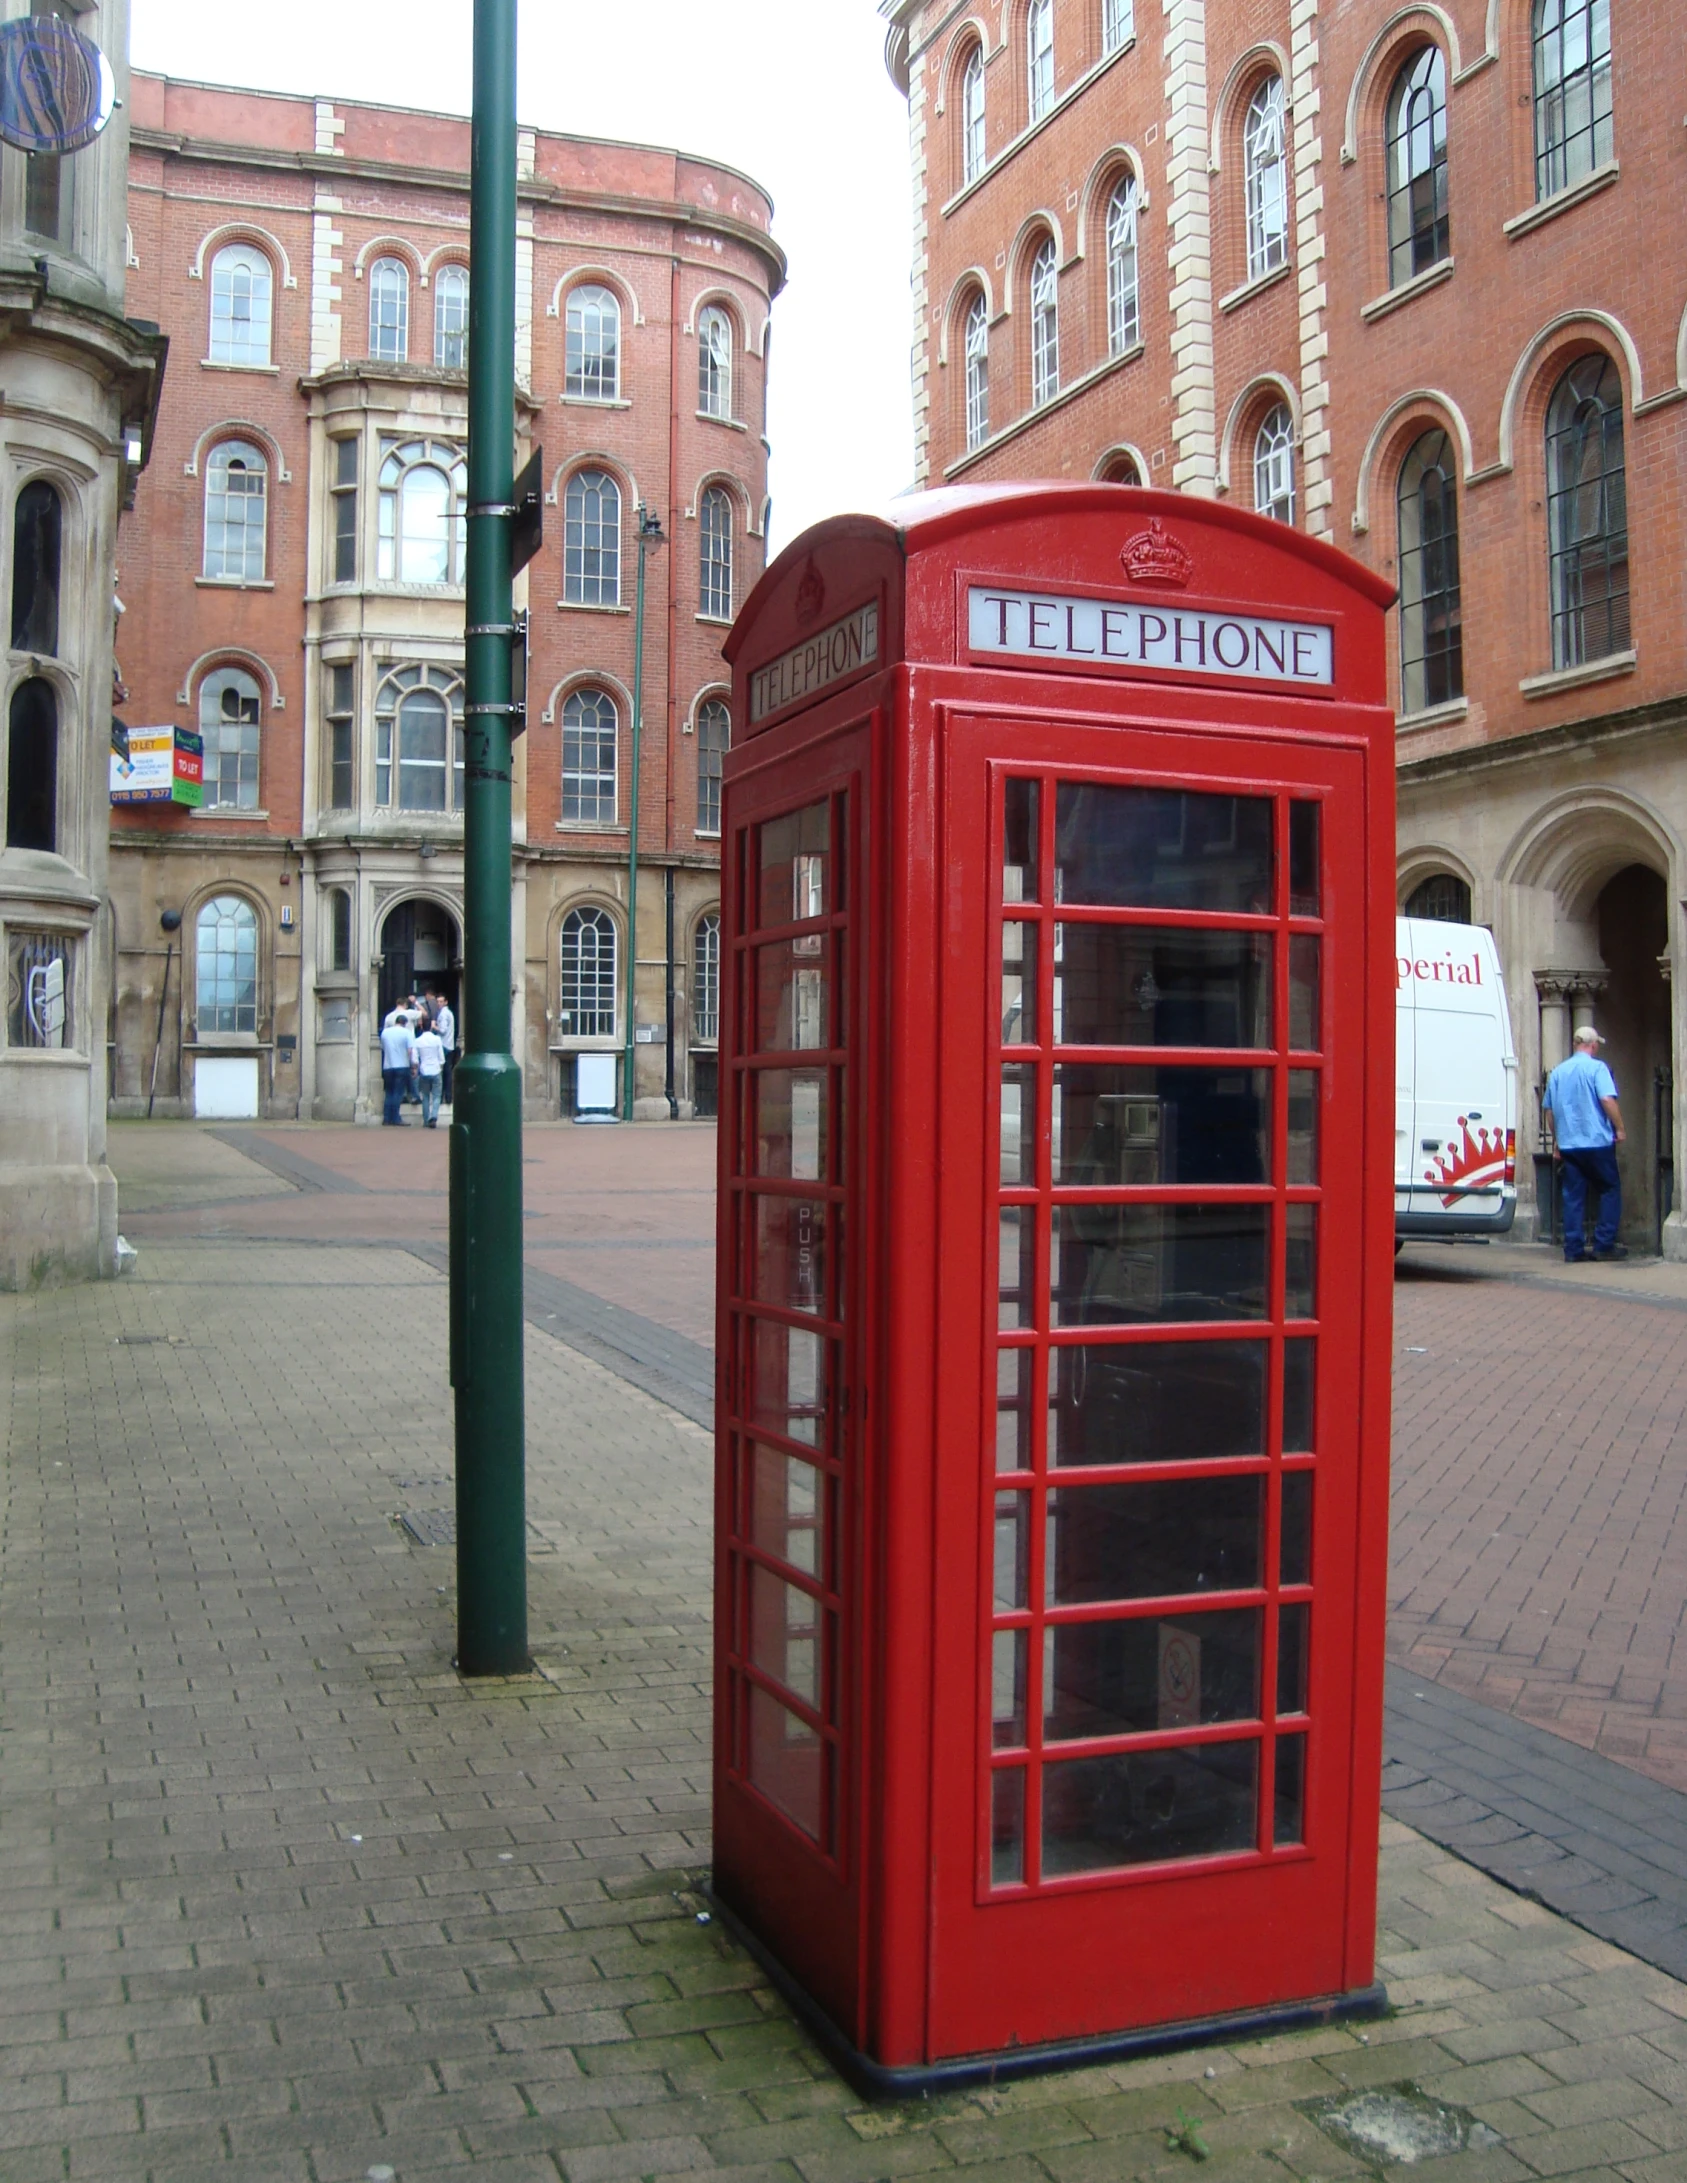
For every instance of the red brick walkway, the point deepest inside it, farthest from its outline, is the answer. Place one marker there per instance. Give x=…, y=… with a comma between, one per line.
x=1540, y=1507
x=1540, y=1462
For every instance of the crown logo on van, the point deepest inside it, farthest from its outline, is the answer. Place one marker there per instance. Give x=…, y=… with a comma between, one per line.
x=1477, y=1159
x=1154, y=556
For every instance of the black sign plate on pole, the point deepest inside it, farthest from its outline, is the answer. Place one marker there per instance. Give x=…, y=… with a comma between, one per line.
x=527, y=532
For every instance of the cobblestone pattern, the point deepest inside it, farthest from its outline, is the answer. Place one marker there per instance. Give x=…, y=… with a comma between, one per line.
x=1540, y=1509
x=284, y=1901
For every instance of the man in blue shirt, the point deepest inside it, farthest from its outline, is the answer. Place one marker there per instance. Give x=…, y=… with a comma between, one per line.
x=1584, y=1126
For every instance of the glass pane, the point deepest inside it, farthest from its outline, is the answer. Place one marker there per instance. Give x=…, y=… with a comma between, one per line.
x=1148, y=1125
x=1289, y=1824
x=790, y=1123
x=785, y=1634
x=1305, y=1022
x=788, y=1381
x=1019, y=1124
x=1294, y=1558
x=1156, y=1402
x=1007, y=1688
x=1019, y=984
x=786, y=1762
x=1304, y=892
x=795, y=850
x=1141, y=985
x=1007, y=1828
x=1117, y=1264
x=1019, y=848
x=1134, y=1807
x=1300, y=1293
x=1163, y=848
x=1013, y=1409
x=787, y=1513
x=1130, y=1678
x=1300, y=1361
x=1153, y=1540
x=788, y=1253
x=1293, y=1625
x=1303, y=1125
x=1017, y=1275
x=1013, y=1552
x=790, y=998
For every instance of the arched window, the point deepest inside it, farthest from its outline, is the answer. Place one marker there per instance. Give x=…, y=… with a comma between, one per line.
x=1045, y=326
x=230, y=721
x=592, y=370
x=389, y=310
x=972, y=116
x=1587, y=514
x=236, y=503
x=1120, y=469
x=451, y=318
x=419, y=740
x=591, y=728
x=337, y=903
x=1118, y=24
x=1443, y=897
x=705, y=981
x=591, y=540
x=37, y=542
x=1431, y=638
x=32, y=767
x=1123, y=318
x=714, y=362
x=1265, y=171
x=242, y=288
x=586, y=999
x=978, y=371
x=1418, y=235
x=714, y=735
x=423, y=503
x=226, y=967
x=1573, y=133
x=1039, y=57
x=714, y=540
x=1274, y=465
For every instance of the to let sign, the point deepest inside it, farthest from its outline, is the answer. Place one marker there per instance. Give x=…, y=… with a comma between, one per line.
x=821, y=659
x=1107, y=632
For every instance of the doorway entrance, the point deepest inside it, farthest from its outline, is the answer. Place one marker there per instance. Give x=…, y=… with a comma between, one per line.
x=420, y=950
x=1633, y=1015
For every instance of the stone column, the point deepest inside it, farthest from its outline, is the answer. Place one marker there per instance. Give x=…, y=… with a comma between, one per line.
x=1554, y=988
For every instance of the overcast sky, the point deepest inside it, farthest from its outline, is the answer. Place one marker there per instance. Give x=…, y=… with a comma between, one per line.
x=792, y=92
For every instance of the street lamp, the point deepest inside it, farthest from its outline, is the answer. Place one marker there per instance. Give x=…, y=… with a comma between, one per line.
x=650, y=536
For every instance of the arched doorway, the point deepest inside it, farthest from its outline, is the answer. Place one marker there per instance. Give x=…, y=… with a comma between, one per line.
x=1633, y=1013
x=421, y=951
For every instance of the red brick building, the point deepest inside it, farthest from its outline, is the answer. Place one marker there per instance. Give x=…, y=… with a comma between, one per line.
x=1413, y=278
x=292, y=579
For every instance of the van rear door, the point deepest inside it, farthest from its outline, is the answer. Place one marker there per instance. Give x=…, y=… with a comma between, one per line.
x=1464, y=1071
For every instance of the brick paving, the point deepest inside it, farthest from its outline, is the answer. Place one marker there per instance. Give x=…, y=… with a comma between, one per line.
x=283, y=1899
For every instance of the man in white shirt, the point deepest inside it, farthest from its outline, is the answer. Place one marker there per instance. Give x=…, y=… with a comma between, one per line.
x=398, y=1053
x=445, y=1023
x=430, y=1067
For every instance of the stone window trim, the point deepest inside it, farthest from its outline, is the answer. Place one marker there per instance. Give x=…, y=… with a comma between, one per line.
x=1573, y=678
x=1394, y=299
x=1432, y=716
x=1564, y=200
x=1012, y=149
x=1256, y=286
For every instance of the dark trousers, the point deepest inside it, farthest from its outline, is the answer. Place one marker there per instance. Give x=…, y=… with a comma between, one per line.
x=450, y=1064
x=394, y=1084
x=1595, y=1164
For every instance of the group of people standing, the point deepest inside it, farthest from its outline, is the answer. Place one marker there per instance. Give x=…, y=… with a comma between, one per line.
x=418, y=1048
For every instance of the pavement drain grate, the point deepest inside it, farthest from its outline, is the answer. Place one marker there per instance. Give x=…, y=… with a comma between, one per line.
x=145, y=1341
x=430, y=1526
x=1399, y=2124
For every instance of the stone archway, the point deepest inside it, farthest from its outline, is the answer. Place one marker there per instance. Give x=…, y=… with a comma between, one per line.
x=421, y=948
x=1633, y=1013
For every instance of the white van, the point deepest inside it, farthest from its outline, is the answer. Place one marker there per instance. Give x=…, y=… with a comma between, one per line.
x=1455, y=1084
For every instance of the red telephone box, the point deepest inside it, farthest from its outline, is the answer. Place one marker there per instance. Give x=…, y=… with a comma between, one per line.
x=1055, y=1266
